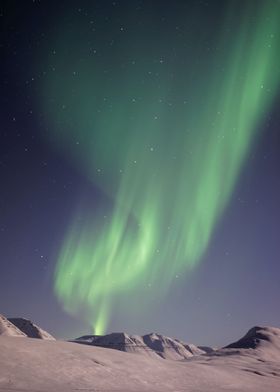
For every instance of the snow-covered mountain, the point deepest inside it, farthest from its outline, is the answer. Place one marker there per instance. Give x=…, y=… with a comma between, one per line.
x=265, y=341
x=30, y=329
x=154, y=345
x=257, y=338
x=9, y=329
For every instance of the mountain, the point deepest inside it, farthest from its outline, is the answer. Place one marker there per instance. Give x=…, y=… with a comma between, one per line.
x=9, y=329
x=264, y=340
x=30, y=329
x=154, y=345
x=258, y=337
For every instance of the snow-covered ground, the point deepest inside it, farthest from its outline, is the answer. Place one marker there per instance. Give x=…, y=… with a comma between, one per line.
x=35, y=365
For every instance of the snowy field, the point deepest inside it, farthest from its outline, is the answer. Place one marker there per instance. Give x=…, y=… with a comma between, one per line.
x=37, y=365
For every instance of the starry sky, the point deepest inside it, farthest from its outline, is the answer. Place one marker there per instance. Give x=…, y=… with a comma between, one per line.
x=139, y=166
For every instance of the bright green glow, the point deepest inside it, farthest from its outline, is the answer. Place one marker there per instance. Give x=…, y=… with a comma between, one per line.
x=165, y=150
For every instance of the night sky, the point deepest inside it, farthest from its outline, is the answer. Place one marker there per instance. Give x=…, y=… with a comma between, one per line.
x=139, y=166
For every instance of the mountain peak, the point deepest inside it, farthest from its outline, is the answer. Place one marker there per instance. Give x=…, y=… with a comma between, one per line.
x=30, y=329
x=257, y=336
x=9, y=329
x=152, y=344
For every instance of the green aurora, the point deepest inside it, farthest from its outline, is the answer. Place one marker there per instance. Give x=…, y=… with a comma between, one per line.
x=162, y=126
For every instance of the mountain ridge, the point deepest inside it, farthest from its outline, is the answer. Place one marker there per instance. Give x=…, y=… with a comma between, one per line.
x=152, y=344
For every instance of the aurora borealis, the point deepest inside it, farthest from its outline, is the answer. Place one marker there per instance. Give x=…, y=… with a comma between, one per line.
x=139, y=161
x=164, y=140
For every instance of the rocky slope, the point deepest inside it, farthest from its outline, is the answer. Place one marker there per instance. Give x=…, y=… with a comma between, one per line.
x=30, y=329
x=9, y=329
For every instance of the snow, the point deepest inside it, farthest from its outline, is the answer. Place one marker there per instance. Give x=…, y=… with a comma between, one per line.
x=152, y=345
x=9, y=329
x=56, y=366
x=30, y=329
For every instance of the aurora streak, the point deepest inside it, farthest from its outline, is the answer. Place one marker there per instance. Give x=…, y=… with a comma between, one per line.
x=163, y=140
